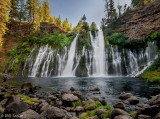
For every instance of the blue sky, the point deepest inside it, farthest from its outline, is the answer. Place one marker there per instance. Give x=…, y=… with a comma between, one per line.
x=74, y=9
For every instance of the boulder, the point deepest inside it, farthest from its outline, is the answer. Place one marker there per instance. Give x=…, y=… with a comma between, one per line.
x=119, y=105
x=101, y=111
x=52, y=97
x=103, y=102
x=27, y=85
x=90, y=107
x=150, y=111
x=42, y=106
x=79, y=109
x=157, y=116
x=16, y=108
x=89, y=101
x=78, y=95
x=117, y=112
x=144, y=117
x=55, y=113
x=123, y=117
x=29, y=114
x=132, y=100
x=125, y=96
x=73, y=89
x=95, y=89
x=69, y=97
x=11, y=99
x=155, y=100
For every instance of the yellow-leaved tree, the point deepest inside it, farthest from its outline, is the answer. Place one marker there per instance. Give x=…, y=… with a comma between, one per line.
x=4, y=17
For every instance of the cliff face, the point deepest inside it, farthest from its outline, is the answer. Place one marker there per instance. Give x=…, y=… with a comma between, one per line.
x=26, y=28
x=141, y=22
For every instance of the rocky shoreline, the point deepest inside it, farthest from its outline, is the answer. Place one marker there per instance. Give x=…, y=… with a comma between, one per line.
x=29, y=102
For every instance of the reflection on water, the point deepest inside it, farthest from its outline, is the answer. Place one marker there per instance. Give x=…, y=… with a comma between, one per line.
x=110, y=87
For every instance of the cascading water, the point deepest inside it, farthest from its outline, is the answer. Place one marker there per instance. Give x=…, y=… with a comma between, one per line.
x=68, y=71
x=96, y=61
x=99, y=55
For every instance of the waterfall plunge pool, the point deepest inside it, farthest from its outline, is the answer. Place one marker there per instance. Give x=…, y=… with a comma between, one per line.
x=110, y=88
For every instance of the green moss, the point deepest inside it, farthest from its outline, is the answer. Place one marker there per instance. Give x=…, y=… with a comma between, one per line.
x=133, y=114
x=28, y=99
x=76, y=103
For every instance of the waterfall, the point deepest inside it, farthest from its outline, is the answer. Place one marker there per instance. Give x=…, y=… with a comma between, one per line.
x=98, y=61
x=68, y=71
x=99, y=55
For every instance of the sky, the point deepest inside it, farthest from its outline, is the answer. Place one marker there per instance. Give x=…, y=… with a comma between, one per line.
x=75, y=9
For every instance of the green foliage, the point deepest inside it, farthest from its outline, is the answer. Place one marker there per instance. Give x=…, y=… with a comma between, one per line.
x=98, y=106
x=76, y=103
x=12, y=52
x=84, y=41
x=152, y=74
x=117, y=38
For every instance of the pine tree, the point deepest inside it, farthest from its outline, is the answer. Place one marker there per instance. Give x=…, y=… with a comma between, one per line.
x=4, y=8
x=13, y=14
x=41, y=12
x=112, y=11
x=80, y=25
x=47, y=12
x=59, y=22
x=119, y=10
x=84, y=18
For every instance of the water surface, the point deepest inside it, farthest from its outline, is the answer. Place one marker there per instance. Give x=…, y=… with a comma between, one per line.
x=110, y=88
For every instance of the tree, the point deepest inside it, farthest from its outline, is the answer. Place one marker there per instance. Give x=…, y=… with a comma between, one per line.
x=84, y=18
x=21, y=9
x=93, y=26
x=59, y=22
x=52, y=20
x=139, y=3
x=4, y=8
x=47, y=13
x=65, y=24
x=80, y=25
x=13, y=14
x=119, y=10
x=41, y=12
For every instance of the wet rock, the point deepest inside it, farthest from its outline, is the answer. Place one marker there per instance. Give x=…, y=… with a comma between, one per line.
x=123, y=117
x=117, y=112
x=94, y=117
x=73, y=89
x=34, y=105
x=3, y=102
x=55, y=113
x=101, y=111
x=90, y=107
x=11, y=99
x=52, y=97
x=132, y=100
x=74, y=118
x=29, y=114
x=79, y=109
x=1, y=110
x=119, y=105
x=69, y=97
x=16, y=108
x=155, y=100
x=157, y=116
x=95, y=89
x=70, y=109
x=94, y=98
x=125, y=96
x=151, y=111
x=42, y=106
x=103, y=102
x=27, y=86
x=78, y=95
x=144, y=117
x=58, y=102
x=89, y=101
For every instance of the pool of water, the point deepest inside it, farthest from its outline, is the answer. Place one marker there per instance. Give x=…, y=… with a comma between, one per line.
x=110, y=88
